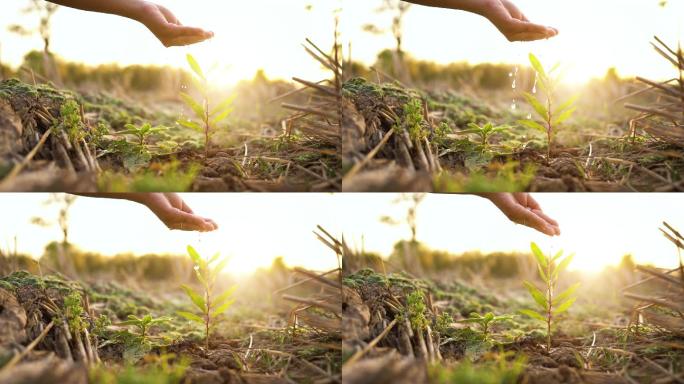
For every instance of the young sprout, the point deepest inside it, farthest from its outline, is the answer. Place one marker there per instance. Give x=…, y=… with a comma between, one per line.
x=143, y=324
x=484, y=321
x=209, y=305
x=207, y=115
x=142, y=132
x=484, y=132
x=550, y=305
x=550, y=116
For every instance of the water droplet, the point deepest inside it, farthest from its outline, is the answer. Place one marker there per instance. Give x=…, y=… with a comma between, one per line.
x=510, y=74
x=514, y=84
x=529, y=116
x=514, y=106
x=534, y=87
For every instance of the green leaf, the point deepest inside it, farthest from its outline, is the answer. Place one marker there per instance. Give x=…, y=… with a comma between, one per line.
x=191, y=316
x=222, y=116
x=532, y=314
x=557, y=255
x=196, y=298
x=539, y=255
x=200, y=85
x=222, y=308
x=219, y=267
x=195, y=66
x=562, y=265
x=533, y=124
x=542, y=273
x=537, y=295
x=565, y=294
x=194, y=255
x=194, y=105
x=564, y=116
x=565, y=306
x=190, y=124
x=225, y=104
x=567, y=104
x=130, y=322
x=214, y=258
x=537, y=65
x=537, y=105
x=224, y=296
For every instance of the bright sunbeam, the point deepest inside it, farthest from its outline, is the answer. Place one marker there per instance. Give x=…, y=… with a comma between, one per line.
x=254, y=229
x=252, y=35
x=594, y=36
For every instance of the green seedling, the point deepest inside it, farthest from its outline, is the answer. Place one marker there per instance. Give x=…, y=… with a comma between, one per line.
x=207, y=116
x=484, y=132
x=143, y=324
x=550, y=305
x=485, y=321
x=209, y=306
x=142, y=132
x=549, y=116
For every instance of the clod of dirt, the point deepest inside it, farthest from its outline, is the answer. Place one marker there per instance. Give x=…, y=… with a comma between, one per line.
x=355, y=318
x=46, y=371
x=389, y=179
x=209, y=184
x=203, y=376
x=10, y=130
x=12, y=319
x=389, y=369
x=224, y=358
x=567, y=356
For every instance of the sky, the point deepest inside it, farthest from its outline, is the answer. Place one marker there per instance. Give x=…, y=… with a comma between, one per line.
x=267, y=34
x=594, y=35
x=256, y=228
x=250, y=35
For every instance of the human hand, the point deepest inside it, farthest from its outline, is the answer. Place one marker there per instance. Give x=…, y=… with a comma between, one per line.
x=522, y=208
x=511, y=22
x=175, y=213
x=167, y=28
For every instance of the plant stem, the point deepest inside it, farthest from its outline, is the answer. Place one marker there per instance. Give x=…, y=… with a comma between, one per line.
x=206, y=128
x=549, y=292
x=549, y=127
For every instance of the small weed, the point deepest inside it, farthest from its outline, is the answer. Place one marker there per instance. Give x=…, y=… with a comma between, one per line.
x=207, y=117
x=496, y=368
x=551, y=305
x=484, y=132
x=209, y=306
x=143, y=324
x=70, y=121
x=484, y=321
x=415, y=310
x=550, y=117
x=142, y=133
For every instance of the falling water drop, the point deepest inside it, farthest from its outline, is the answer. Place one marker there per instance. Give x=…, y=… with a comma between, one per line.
x=514, y=84
x=529, y=116
x=534, y=87
x=514, y=105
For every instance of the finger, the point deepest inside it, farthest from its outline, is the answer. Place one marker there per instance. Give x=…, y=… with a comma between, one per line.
x=529, y=219
x=170, y=17
x=527, y=36
x=188, y=222
x=185, y=207
x=531, y=202
x=183, y=41
x=514, y=10
x=174, y=30
x=546, y=217
x=213, y=224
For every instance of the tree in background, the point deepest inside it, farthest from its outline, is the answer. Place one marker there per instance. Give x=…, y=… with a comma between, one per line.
x=398, y=10
x=45, y=11
x=64, y=203
x=409, y=251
